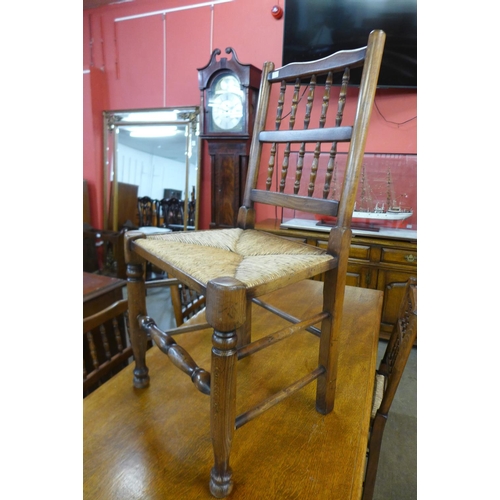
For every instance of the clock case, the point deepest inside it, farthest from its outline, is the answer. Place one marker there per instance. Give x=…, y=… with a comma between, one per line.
x=228, y=150
x=249, y=78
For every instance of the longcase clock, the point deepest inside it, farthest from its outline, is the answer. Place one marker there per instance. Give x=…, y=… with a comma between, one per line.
x=229, y=92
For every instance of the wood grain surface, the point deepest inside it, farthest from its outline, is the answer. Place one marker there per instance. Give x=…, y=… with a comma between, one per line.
x=155, y=443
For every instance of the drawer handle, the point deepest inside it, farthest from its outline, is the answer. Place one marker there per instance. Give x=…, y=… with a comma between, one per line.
x=410, y=258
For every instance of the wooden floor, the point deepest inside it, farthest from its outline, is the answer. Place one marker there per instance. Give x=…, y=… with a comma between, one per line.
x=155, y=443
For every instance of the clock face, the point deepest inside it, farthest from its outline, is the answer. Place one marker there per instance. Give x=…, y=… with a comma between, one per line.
x=225, y=104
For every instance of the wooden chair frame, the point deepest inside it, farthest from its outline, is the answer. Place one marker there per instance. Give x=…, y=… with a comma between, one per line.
x=109, y=321
x=388, y=377
x=100, y=324
x=146, y=211
x=170, y=212
x=111, y=243
x=229, y=300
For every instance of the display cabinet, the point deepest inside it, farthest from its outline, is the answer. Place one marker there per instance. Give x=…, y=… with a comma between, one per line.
x=386, y=201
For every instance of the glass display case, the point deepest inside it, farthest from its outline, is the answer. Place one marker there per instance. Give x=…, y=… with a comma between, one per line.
x=386, y=202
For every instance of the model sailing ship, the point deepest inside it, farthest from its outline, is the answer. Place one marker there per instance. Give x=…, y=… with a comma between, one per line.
x=392, y=216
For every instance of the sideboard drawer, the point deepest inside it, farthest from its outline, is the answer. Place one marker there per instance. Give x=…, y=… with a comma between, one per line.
x=399, y=256
x=359, y=252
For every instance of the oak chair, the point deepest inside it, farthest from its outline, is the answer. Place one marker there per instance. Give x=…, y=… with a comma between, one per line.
x=111, y=245
x=387, y=379
x=105, y=349
x=233, y=267
x=170, y=213
x=192, y=208
x=146, y=211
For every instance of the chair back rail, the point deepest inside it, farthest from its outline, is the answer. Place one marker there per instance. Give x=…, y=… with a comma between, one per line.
x=308, y=133
x=304, y=203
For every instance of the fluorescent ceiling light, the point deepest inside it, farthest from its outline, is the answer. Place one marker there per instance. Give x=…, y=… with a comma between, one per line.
x=151, y=116
x=153, y=131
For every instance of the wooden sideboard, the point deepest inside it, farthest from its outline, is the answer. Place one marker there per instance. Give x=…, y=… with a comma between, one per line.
x=378, y=263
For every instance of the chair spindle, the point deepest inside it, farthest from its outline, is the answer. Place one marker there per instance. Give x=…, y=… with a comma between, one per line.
x=317, y=149
x=291, y=124
x=105, y=343
x=93, y=350
x=307, y=121
x=116, y=332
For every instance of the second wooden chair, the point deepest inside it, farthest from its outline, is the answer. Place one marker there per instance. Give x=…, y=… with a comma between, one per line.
x=106, y=349
x=388, y=377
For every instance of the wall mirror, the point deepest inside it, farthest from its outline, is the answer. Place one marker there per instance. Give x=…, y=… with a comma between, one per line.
x=155, y=154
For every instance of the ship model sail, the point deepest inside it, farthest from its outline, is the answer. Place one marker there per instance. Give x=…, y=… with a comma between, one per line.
x=393, y=212
x=387, y=214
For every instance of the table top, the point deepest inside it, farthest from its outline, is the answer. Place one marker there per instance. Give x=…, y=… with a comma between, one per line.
x=155, y=443
x=95, y=285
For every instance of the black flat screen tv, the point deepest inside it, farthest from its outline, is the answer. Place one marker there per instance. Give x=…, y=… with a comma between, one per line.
x=316, y=28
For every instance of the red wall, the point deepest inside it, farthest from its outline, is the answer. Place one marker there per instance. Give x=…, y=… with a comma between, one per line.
x=129, y=68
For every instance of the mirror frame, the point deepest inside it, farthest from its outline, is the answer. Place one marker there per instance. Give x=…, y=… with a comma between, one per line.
x=113, y=120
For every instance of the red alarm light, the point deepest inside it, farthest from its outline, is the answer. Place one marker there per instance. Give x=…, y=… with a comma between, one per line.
x=277, y=12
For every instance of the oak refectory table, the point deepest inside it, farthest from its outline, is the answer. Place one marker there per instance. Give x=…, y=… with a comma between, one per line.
x=153, y=444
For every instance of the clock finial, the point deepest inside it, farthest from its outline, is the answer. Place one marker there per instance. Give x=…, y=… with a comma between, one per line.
x=230, y=50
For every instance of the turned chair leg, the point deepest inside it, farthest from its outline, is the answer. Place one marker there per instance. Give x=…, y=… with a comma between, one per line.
x=136, y=291
x=226, y=311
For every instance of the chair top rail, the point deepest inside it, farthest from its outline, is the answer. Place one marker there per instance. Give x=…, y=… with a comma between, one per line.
x=334, y=62
x=91, y=322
